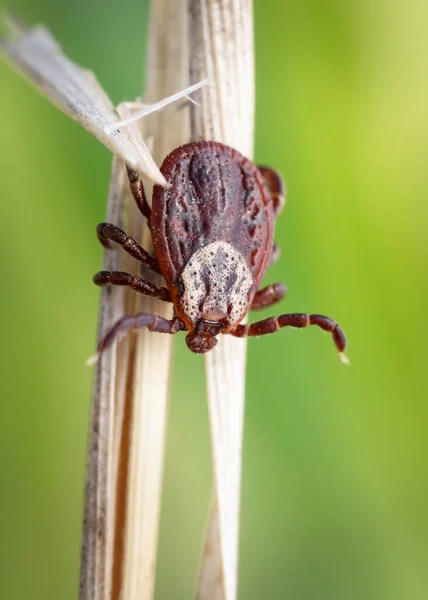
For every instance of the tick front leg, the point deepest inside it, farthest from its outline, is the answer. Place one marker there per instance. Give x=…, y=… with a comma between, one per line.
x=152, y=322
x=276, y=186
x=139, y=194
x=272, y=325
x=268, y=296
x=136, y=283
x=107, y=232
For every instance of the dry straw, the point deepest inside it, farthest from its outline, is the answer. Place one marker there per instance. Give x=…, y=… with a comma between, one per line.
x=190, y=40
x=221, y=48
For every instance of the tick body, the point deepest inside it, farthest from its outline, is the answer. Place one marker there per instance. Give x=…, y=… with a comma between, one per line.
x=213, y=236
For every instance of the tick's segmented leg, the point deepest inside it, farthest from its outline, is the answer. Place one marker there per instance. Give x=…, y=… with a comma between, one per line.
x=293, y=320
x=276, y=186
x=107, y=232
x=276, y=253
x=152, y=322
x=139, y=194
x=136, y=283
x=268, y=295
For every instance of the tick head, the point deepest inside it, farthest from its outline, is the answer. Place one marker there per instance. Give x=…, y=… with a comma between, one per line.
x=215, y=288
x=202, y=338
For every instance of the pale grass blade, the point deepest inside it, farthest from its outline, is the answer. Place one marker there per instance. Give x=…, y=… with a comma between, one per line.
x=98, y=526
x=167, y=70
x=222, y=50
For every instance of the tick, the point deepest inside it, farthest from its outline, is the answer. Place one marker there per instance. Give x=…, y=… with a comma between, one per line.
x=213, y=237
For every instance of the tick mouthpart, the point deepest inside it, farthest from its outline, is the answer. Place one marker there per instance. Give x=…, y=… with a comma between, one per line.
x=199, y=344
x=203, y=337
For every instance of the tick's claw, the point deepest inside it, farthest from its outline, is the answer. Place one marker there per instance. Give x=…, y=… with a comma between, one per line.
x=92, y=360
x=344, y=358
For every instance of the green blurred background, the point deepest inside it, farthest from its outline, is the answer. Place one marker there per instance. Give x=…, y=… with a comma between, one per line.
x=335, y=474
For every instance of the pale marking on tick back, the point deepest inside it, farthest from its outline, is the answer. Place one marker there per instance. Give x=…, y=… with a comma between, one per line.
x=216, y=282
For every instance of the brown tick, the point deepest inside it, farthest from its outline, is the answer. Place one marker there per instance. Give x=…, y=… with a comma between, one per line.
x=212, y=232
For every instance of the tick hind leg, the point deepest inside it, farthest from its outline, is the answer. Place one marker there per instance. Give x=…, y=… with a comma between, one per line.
x=136, y=283
x=276, y=186
x=272, y=325
x=275, y=254
x=152, y=322
x=268, y=295
x=110, y=233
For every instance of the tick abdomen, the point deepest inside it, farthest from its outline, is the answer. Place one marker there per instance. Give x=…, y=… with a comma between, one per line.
x=216, y=284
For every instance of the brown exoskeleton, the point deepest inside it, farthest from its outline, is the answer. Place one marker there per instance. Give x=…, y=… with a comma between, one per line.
x=212, y=232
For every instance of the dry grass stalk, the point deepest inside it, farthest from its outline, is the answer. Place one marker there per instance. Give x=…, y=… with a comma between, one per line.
x=221, y=48
x=98, y=528
x=166, y=69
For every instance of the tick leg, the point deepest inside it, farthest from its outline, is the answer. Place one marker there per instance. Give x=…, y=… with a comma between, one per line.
x=276, y=253
x=136, y=283
x=276, y=186
x=107, y=232
x=294, y=320
x=137, y=189
x=152, y=322
x=268, y=295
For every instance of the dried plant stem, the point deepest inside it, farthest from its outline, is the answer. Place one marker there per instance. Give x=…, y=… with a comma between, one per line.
x=221, y=48
x=97, y=527
x=166, y=72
